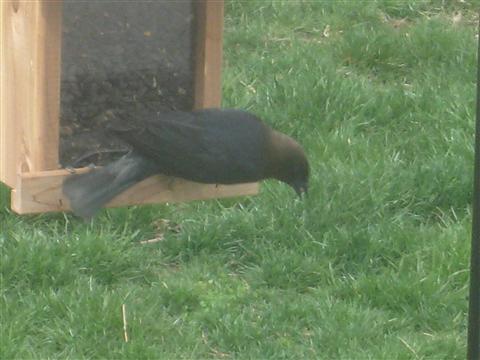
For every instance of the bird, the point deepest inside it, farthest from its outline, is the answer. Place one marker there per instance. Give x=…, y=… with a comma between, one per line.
x=211, y=146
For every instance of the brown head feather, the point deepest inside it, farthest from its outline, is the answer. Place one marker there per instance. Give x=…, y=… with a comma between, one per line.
x=286, y=161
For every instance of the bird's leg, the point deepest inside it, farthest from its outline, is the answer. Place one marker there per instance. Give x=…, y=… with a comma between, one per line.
x=70, y=169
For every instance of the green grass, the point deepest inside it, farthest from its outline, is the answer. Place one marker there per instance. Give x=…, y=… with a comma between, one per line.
x=373, y=265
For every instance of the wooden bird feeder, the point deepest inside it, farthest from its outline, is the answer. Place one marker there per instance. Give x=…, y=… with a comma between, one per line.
x=66, y=65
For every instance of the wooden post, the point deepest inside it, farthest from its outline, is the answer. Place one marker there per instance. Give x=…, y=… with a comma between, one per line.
x=30, y=87
x=208, y=57
x=9, y=129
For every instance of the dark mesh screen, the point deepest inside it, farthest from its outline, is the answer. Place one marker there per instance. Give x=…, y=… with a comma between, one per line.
x=120, y=56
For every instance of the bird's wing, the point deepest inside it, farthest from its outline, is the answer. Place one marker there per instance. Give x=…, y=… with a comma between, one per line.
x=177, y=142
x=210, y=146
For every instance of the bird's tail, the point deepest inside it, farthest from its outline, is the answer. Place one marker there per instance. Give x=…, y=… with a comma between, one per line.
x=89, y=192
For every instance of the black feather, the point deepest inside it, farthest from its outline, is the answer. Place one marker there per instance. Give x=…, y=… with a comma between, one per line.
x=208, y=146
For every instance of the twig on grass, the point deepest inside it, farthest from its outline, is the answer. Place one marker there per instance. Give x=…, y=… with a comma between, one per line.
x=152, y=241
x=408, y=347
x=124, y=316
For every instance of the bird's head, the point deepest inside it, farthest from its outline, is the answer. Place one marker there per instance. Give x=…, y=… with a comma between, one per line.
x=288, y=162
x=299, y=179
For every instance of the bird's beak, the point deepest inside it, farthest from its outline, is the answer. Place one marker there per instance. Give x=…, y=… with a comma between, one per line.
x=301, y=189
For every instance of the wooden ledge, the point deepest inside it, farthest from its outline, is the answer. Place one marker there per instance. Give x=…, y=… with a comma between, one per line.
x=41, y=191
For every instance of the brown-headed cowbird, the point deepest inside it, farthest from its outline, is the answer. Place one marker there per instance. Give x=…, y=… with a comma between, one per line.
x=213, y=146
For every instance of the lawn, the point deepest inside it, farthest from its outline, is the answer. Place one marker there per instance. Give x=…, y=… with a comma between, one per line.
x=372, y=265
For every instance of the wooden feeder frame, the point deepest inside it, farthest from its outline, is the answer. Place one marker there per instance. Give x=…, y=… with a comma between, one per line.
x=30, y=63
